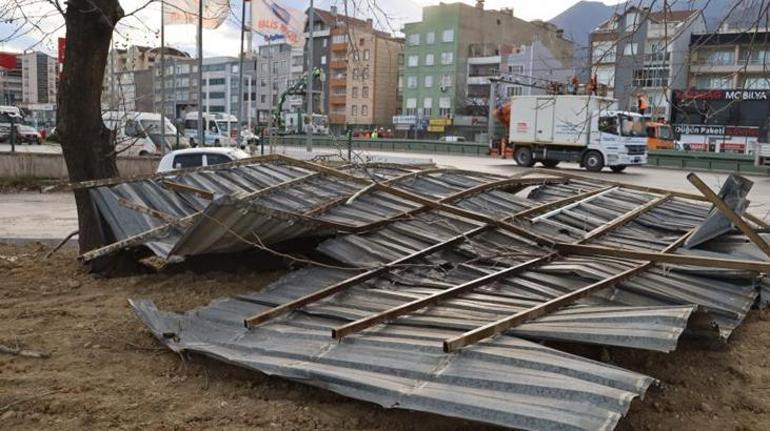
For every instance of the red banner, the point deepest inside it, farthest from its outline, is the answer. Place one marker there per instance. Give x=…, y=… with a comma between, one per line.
x=62, y=46
x=7, y=60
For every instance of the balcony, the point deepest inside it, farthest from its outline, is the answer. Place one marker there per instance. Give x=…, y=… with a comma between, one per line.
x=492, y=59
x=340, y=47
x=338, y=82
x=479, y=80
x=338, y=64
x=337, y=99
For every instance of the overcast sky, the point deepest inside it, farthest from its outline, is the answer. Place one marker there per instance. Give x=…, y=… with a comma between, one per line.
x=143, y=29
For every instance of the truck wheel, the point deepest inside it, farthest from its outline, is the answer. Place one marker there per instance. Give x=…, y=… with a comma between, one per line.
x=192, y=143
x=618, y=169
x=216, y=142
x=593, y=161
x=550, y=163
x=523, y=157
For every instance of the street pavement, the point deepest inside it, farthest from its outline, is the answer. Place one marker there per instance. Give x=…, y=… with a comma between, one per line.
x=52, y=215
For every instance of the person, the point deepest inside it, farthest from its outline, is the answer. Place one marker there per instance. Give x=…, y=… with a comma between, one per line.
x=374, y=134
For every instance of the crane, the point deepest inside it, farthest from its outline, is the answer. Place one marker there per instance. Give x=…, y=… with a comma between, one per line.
x=299, y=88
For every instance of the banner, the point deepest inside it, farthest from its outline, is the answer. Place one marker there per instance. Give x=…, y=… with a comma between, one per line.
x=270, y=18
x=186, y=12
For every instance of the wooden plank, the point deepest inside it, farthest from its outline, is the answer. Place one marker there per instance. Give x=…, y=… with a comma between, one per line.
x=657, y=257
x=147, y=210
x=184, y=188
x=340, y=286
x=756, y=220
x=563, y=201
x=627, y=217
x=727, y=211
x=502, y=325
x=417, y=304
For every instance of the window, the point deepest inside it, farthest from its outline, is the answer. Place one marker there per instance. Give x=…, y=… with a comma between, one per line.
x=516, y=69
x=217, y=95
x=364, y=110
x=429, y=59
x=430, y=37
x=217, y=81
x=340, y=91
x=354, y=93
x=414, y=39
x=365, y=92
x=631, y=49
x=356, y=57
x=723, y=57
x=323, y=42
x=446, y=81
x=366, y=55
x=428, y=81
x=365, y=73
x=427, y=106
x=608, y=124
x=323, y=59
x=339, y=38
x=603, y=52
x=444, y=106
x=632, y=20
x=714, y=82
x=448, y=36
x=354, y=110
x=263, y=98
x=182, y=161
x=411, y=106
x=650, y=77
x=355, y=73
x=215, y=159
x=412, y=61
x=411, y=82
x=361, y=42
x=447, y=57
x=514, y=91
x=757, y=83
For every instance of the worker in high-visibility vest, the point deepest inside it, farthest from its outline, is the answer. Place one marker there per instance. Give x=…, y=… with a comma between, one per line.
x=643, y=104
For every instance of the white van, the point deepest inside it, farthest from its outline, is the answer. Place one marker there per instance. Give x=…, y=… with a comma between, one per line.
x=220, y=130
x=139, y=133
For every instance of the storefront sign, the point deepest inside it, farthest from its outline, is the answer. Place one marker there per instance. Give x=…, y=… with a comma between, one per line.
x=734, y=94
x=715, y=130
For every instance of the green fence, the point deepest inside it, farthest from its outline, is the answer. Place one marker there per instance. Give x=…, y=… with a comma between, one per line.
x=400, y=145
x=704, y=161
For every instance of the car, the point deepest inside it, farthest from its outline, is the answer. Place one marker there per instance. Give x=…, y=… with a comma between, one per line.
x=197, y=157
x=452, y=139
x=28, y=134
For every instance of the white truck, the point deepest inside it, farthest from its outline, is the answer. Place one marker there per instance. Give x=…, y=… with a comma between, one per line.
x=762, y=156
x=139, y=133
x=291, y=124
x=219, y=129
x=583, y=129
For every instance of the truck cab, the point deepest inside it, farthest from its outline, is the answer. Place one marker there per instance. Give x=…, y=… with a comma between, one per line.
x=660, y=136
x=621, y=139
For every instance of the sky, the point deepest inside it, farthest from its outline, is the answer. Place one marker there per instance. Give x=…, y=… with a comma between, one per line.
x=144, y=27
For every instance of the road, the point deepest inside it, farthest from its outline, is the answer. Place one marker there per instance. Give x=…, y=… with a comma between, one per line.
x=52, y=215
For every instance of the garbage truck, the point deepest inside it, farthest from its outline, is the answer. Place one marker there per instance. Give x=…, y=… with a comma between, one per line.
x=587, y=129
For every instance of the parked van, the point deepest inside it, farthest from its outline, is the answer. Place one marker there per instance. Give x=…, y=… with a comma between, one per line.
x=139, y=133
x=220, y=130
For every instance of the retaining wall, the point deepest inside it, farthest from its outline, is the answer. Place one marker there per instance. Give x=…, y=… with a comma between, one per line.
x=37, y=165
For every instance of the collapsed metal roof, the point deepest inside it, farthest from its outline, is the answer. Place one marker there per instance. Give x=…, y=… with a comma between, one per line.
x=438, y=279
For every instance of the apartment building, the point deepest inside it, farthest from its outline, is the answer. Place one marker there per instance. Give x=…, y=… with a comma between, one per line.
x=643, y=54
x=39, y=78
x=361, y=65
x=729, y=80
x=129, y=78
x=220, y=87
x=452, y=52
x=10, y=78
x=277, y=67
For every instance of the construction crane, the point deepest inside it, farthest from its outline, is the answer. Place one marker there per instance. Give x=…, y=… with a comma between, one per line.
x=299, y=88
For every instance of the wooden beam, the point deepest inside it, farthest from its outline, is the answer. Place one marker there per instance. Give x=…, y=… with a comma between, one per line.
x=729, y=213
x=527, y=213
x=359, y=278
x=555, y=304
x=668, y=258
x=627, y=217
x=417, y=304
x=147, y=210
x=184, y=188
x=756, y=220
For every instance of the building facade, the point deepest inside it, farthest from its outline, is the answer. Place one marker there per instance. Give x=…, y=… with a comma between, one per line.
x=450, y=55
x=10, y=79
x=39, y=78
x=728, y=83
x=277, y=67
x=361, y=65
x=640, y=54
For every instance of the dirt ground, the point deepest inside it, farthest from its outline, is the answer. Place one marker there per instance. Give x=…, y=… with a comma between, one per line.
x=105, y=371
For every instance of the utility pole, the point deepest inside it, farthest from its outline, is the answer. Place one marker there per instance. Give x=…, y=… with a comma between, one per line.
x=311, y=23
x=491, y=119
x=240, y=72
x=201, y=142
x=271, y=116
x=162, y=78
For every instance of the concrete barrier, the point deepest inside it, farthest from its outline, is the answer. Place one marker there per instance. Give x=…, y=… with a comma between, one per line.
x=703, y=161
x=52, y=166
x=391, y=144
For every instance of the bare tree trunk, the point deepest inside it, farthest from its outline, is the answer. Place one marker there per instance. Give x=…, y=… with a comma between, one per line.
x=86, y=143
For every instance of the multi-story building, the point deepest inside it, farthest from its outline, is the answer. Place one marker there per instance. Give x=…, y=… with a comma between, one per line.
x=277, y=67
x=641, y=54
x=10, y=79
x=39, y=78
x=451, y=54
x=729, y=81
x=220, y=87
x=128, y=78
x=362, y=66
